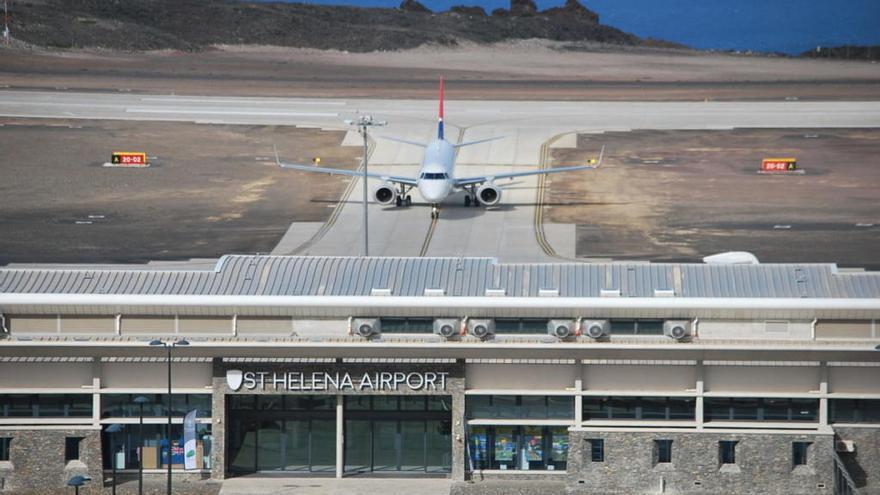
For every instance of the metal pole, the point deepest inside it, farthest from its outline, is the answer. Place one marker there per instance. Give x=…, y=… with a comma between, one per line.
x=141, y=453
x=366, y=215
x=170, y=452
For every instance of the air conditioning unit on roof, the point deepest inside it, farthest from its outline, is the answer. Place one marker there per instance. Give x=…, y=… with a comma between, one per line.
x=595, y=329
x=677, y=329
x=368, y=328
x=481, y=328
x=448, y=328
x=562, y=329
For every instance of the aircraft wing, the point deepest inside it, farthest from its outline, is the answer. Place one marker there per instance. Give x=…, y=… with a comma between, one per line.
x=410, y=181
x=470, y=181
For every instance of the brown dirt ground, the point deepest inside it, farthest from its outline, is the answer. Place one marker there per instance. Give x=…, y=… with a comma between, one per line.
x=211, y=189
x=682, y=195
x=532, y=69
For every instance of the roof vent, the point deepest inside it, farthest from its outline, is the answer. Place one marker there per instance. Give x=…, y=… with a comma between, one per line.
x=435, y=292
x=732, y=258
x=664, y=292
x=548, y=293
x=380, y=292
x=609, y=293
x=496, y=292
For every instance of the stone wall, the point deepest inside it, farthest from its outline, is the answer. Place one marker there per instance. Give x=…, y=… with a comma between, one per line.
x=508, y=487
x=763, y=464
x=36, y=461
x=863, y=465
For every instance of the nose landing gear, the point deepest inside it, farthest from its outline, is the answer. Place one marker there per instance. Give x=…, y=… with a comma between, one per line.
x=435, y=212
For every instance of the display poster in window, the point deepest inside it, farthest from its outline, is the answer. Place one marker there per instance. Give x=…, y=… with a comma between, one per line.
x=189, y=439
x=534, y=448
x=504, y=450
x=560, y=448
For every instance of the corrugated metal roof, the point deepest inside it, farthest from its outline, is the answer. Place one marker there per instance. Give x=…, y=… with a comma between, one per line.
x=458, y=277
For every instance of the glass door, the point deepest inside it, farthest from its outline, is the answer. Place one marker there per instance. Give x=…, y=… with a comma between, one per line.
x=323, y=446
x=358, y=446
x=296, y=445
x=412, y=451
x=270, y=445
x=242, y=446
x=438, y=439
x=386, y=446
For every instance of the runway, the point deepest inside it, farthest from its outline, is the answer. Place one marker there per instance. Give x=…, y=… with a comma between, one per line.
x=512, y=231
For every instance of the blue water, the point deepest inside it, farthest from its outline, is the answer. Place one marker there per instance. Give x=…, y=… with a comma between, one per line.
x=789, y=26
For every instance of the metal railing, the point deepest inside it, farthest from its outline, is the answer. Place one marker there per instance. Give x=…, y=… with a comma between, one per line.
x=843, y=482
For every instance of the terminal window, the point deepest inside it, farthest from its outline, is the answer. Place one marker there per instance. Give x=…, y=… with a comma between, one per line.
x=524, y=448
x=4, y=448
x=521, y=325
x=46, y=405
x=799, y=451
x=639, y=408
x=407, y=325
x=637, y=327
x=597, y=450
x=727, y=451
x=519, y=407
x=854, y=410
x=664, y=451
x=749, y=409
x=71, y=448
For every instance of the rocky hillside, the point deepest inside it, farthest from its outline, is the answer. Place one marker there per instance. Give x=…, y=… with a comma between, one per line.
x=846, y=52
x=196, y=24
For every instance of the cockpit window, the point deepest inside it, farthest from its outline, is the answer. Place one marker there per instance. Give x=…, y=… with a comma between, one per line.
x=434, y=176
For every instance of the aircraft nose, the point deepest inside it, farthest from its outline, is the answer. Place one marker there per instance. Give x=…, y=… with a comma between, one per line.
x=433, y=191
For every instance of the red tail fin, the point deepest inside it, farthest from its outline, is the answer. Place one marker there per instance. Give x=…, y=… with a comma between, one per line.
x=440, y=122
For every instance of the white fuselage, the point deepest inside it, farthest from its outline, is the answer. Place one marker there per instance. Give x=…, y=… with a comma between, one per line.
x=436, y=173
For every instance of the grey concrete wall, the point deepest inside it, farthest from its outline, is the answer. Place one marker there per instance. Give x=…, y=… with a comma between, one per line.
x=455, y=387
x=763, y=464
x=863, y=465
x=36, y=461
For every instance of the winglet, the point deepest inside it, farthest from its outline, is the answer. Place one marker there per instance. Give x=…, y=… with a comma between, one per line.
x=440, y=122
x=601, y=157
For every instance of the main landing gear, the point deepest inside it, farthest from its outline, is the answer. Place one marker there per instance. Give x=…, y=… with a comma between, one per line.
x=403, y=197
x=471, y=198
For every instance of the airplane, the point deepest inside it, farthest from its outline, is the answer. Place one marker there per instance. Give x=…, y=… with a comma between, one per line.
x=437, y=180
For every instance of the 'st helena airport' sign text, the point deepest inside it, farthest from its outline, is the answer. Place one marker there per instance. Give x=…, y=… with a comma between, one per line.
x=318, y=381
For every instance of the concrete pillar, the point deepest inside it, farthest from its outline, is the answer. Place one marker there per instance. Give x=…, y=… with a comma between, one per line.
x=456, y=387
x=96, y=391
x=218, y=421
x=823, y=396
x=578, y=403
x=700, y=386
x=340, y=435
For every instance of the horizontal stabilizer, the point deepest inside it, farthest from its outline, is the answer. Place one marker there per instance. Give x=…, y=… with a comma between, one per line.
x=478, y=141
x=404, y=141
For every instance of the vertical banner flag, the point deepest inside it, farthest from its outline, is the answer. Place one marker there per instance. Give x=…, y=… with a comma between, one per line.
x=189, y=440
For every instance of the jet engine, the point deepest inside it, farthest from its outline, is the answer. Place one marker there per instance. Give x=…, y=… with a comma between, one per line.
x=489, y=194
x=385, y=194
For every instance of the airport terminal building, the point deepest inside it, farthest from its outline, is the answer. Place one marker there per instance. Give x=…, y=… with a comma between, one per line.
x=564, y=378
